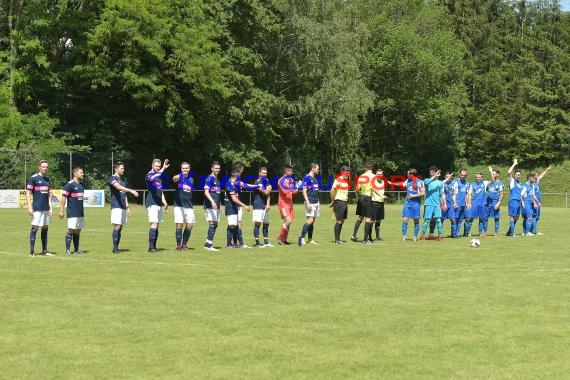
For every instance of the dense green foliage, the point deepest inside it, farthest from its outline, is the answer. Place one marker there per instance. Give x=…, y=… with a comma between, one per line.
x=402, y=82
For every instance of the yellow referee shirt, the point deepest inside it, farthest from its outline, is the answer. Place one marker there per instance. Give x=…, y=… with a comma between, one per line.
x=341, y=190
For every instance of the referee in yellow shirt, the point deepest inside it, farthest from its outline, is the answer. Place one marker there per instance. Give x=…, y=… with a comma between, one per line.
x=378, y=201
x=364, y=185
x=339, y=200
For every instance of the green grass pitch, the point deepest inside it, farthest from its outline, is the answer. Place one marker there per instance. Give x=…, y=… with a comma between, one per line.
x=423, y=309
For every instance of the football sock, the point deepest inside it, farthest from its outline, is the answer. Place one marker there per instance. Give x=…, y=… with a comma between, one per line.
x=356, y=227
x=152, y=238
x=75, y=241
x=178, y=236
x=186, y=235
x=67, y=241
x=44, y=237
x=115, y=239
x=337, y=228
x=305, y=229
x=33, y=233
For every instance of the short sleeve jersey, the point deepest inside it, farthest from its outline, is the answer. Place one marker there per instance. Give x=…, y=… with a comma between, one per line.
x=287, y=186
x=118, y=198
x=74, y=192
x=434, y=191
x=154, y=185
x=213, y=185
x=537, y=193
x=341, y=190
x=378, y=188
x=40, y=188
x=413, y=187
x=461, y=187
x=478, y=194
x=527, y=193
x=515, y=188
x=260, y=199
x=231, y=190
x=312, y=185
x=449, y=187
x=183, y=194
x=365, y=184
x=494, y=190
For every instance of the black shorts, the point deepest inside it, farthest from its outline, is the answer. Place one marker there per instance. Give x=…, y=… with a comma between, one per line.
x=358, y=207
x=378, y=210
x=366, y=207
x=340, y=209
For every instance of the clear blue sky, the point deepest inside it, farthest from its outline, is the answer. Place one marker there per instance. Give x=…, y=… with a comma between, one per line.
x=565, y=5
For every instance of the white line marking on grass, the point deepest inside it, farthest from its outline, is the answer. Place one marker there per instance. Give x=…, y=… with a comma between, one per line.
x=335, y=269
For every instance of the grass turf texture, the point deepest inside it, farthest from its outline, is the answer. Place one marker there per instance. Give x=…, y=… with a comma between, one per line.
x=423, y=309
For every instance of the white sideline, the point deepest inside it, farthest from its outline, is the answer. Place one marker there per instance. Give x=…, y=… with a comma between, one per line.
x=300, y=268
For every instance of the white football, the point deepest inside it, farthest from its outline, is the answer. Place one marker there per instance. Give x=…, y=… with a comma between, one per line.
x=475, y=243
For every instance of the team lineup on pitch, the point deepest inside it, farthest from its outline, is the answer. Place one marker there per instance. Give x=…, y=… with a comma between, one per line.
x=453, y=199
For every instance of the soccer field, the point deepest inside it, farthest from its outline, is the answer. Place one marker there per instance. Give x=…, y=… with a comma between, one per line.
x=423, y=309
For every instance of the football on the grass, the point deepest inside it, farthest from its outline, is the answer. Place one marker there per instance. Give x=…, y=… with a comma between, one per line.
x=475, y=243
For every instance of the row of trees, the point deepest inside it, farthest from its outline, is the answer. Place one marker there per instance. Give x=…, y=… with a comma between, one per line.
x=402, y=82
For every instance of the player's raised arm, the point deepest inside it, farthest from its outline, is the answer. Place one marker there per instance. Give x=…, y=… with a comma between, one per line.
x=513, y=166
x=165, y=165
x=544, y=172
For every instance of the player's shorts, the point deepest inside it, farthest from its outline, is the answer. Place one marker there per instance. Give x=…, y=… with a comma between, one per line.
x=75, y=223
x=367, y=210
x=41, y=218
x=212, y=215
x=315, y=210
x=449, y=213
x=378, y=210
x=154, y=213
x=232, y=219
x=287, y=211
x=240, y=214
x=477, y=212
x=411, y=211
x=260, y=216
x=340, y=209
x=359, y=207
x=492, y=213
x=527, y=210
x=514, y=208
x=432, y=212
x=184, y=215
x=456, y=213
x=119, y=216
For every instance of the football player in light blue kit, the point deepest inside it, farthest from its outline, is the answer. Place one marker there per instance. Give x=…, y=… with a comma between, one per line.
x=460, y=187
x=514, y=197
x=495, y=192
x=449, y=212
x=435, y=199
x=528, y=203
x=415, y=190
x=536, y=214
x=477, y=204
